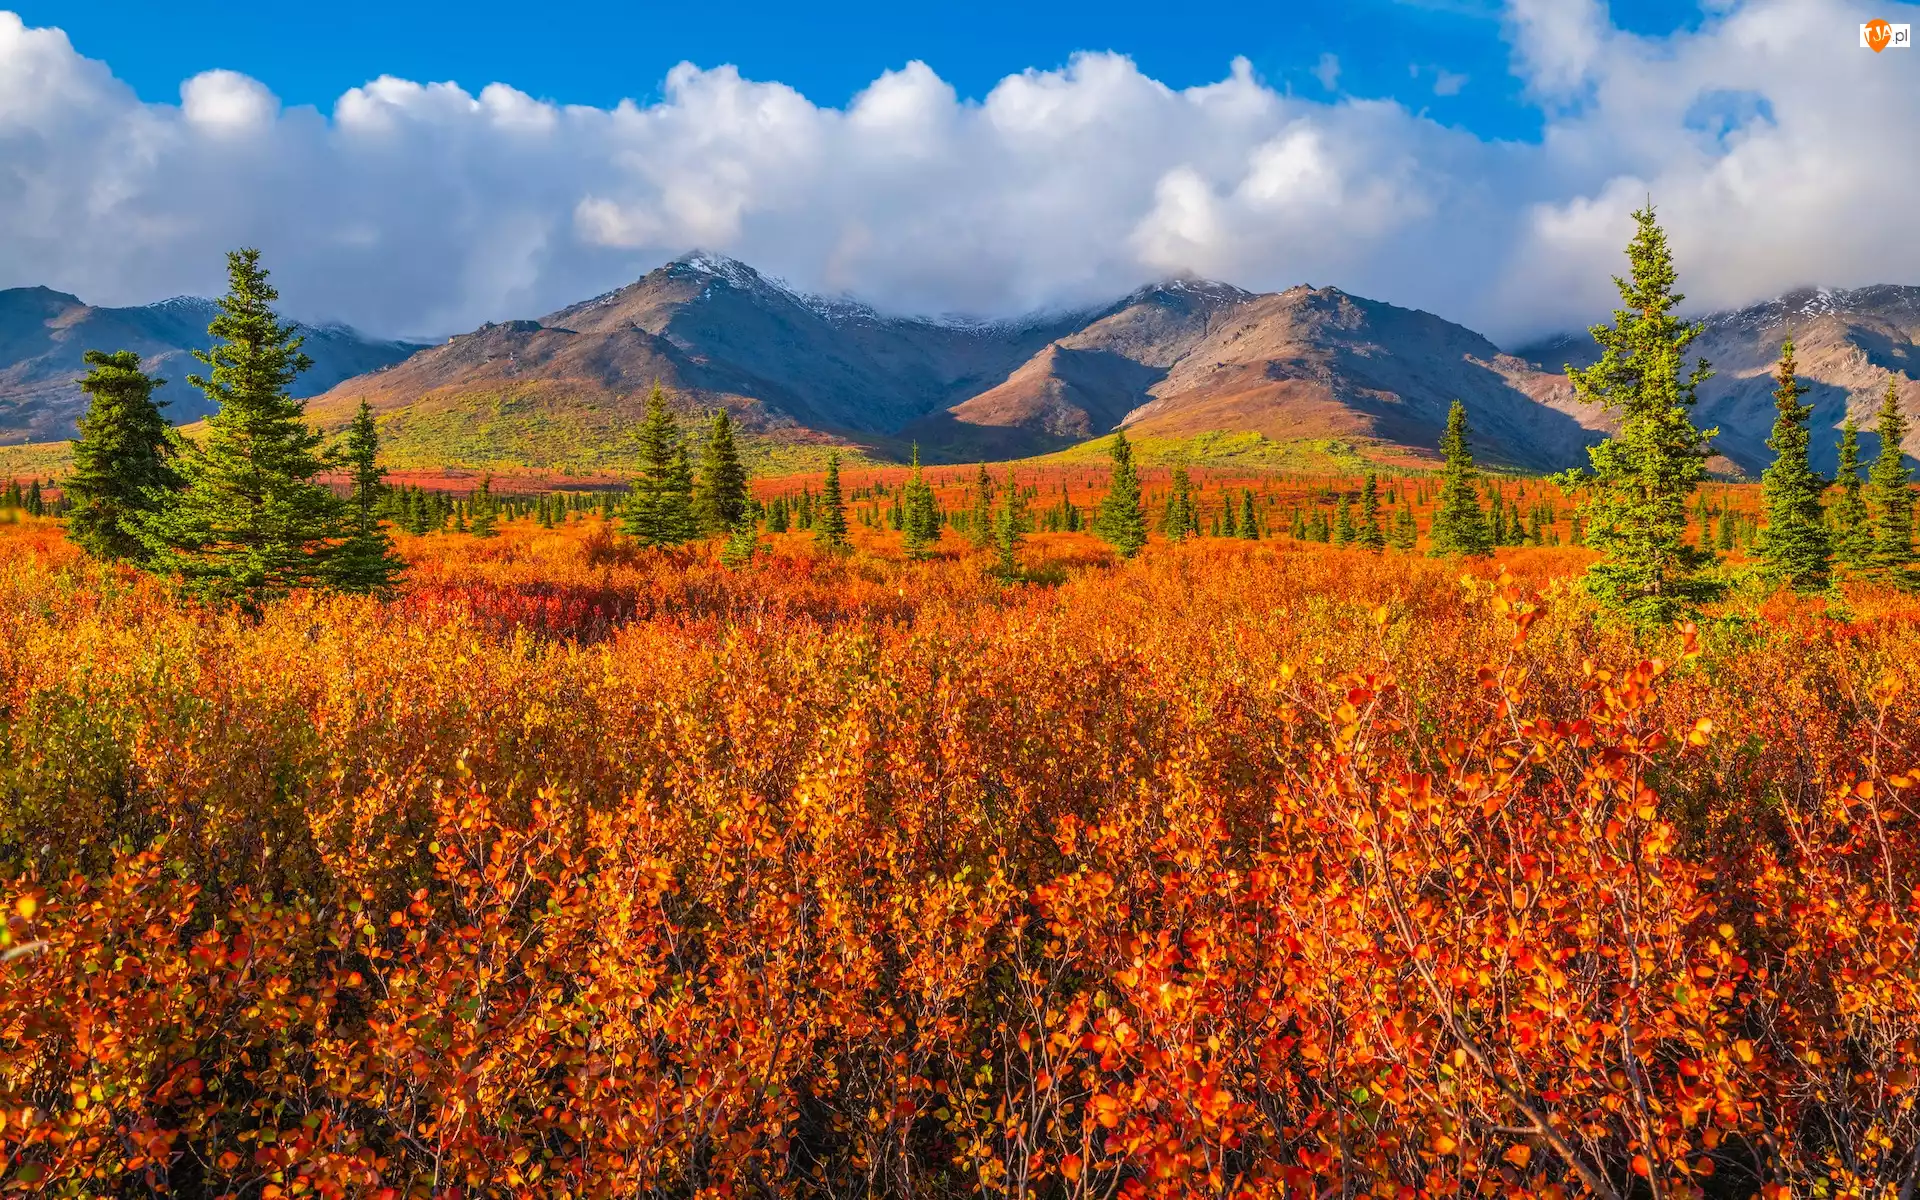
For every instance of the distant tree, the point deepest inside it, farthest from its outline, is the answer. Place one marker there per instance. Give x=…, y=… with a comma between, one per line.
x=830, y=514
x=741, y=546
x=1406, y=530
x=1010, y=525
x=778, y=520
x=365, y=562
x=720, y=496
x=1180, y=519
x=1852, y=527
x=122, y=460
x=1641, y=477
x=1249, y=517
x=251, y=519
x=484, y=510
x=1343, y=532
x=1795, y=543
x=1459, y=527
x=980, y=516
x=1229, y=527
x=919, y=519
x=1121, y=522
x=1370, y=534
x=1889, y=490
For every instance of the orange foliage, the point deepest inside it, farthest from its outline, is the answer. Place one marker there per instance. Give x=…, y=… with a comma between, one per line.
x=1242, y=869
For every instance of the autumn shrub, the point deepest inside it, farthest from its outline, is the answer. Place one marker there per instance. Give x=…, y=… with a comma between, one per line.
x=1244, y=868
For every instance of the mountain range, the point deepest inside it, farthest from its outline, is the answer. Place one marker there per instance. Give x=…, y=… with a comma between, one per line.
x=44, y=336
x=1185, y=365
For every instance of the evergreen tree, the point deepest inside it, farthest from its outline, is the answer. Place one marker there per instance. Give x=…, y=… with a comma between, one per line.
x=1249, y=518
x=1889, y=494
x=1641, y=477
x=1343, y=532
x=365, y=562
x=1406, y=530
x=720, y=499
x=1852, y=530
x=1459, y=527
x=122, y=465
x=1121, y=522
x=830, y=515
x=1228, y=526
x=1180, y=519
x=251, y=519
x=920, y=522
x=980, y=517
x=484, y=511
x=1370, y=534
x=741, y=545
x=1010, y=525
x=1795, y=543
x=777, y=518
x=660, y=500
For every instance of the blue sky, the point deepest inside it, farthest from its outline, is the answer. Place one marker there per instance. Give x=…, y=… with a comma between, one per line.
x=1447, y=58
x=418, y=169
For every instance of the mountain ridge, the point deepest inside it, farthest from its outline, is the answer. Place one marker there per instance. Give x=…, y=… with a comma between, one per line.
x=1171, y=361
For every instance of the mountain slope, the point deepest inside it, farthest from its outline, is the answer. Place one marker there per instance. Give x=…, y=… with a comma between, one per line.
x=1847, y=344
x=45, y=334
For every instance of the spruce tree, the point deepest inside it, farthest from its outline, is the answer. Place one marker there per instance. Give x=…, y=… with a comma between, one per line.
x=365, y=562
x=1179, y=520
x=1009, y=528
x=1889, y=494
x=1641, y=477
x=483, y=510
x=1121, y=522
x=1370, y=534
x=659, y=509
x=1249, y=518
x=251, y=519
x=122, y=468
x=1794, y=543
x=720, y=497
x=980, y=517
x=1852, y=530
x=1343, y=532
x=1406, y=531
x=830, y=514
x=918, y=519
x=1229, y=527
x=1459, y=527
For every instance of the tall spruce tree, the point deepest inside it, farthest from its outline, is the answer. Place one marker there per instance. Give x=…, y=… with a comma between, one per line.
x=720, y=496
x=1852, y=528
x=1121, y=522
x=122, y=460
x=1370, y=533
x=1641, y=477
x=366, y=561
x=660, y=500
x=919, y=519
x=1459, y=527
x=1180, y=519
x=251, y=519
x=1889, y=491
x=830, y=514
x=1795, y=543
x=1249, y=517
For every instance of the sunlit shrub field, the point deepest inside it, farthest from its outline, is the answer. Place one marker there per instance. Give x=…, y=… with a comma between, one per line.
x=1249, y=868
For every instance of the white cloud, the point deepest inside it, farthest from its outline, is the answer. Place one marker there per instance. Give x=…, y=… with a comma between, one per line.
x=1327, y=71
x=1768, y=138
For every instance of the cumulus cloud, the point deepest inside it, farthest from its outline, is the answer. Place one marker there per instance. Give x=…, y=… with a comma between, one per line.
x=1769, y=140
